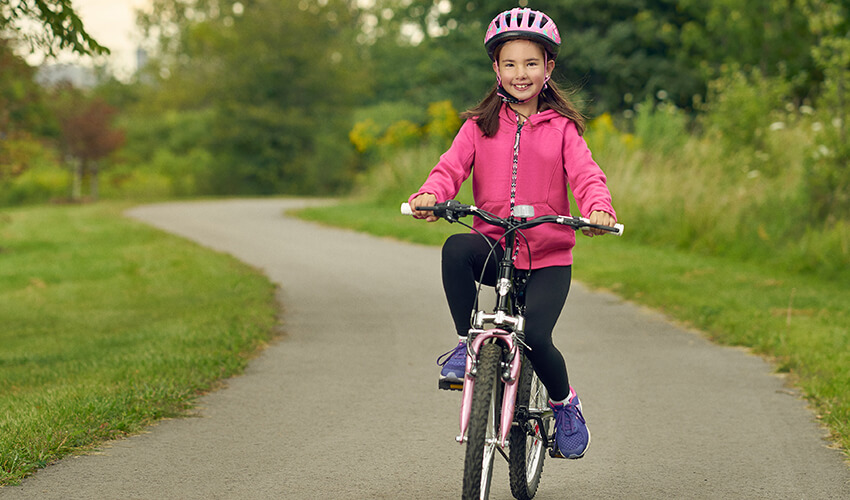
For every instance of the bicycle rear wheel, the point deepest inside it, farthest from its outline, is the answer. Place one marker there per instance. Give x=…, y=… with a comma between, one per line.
x=482, y=433
x=528, y=438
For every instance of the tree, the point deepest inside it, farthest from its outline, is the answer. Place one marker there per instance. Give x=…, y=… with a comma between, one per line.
x=87, y=136
x=24, y=116
x=22, y=101
x=281, y=77
x=619, y=52
x=61, y=27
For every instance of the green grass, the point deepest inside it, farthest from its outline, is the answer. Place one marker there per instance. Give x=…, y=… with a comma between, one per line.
x=109, y=325
x=799, y=321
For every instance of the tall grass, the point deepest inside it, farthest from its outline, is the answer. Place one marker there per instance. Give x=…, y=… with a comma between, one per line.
x=697, y=193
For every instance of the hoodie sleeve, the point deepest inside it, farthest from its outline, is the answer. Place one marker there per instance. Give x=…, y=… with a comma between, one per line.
x=587, y=181
x=454, y=166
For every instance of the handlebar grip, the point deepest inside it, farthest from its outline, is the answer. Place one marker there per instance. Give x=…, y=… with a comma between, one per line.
x=405, y=209
x=616, y=229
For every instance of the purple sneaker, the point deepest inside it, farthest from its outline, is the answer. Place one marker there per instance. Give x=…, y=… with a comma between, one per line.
x=571, y=434
x=453, y=363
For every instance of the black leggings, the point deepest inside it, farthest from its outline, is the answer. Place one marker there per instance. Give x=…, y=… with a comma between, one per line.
x=546, y=292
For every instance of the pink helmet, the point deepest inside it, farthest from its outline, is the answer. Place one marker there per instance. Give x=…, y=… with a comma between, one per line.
x=522, y=23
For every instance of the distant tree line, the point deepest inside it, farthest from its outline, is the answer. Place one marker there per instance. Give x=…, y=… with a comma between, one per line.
x=260, y=96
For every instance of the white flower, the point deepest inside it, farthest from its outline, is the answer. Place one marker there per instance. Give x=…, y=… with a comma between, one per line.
x=817, y=126
x=806, y=110
x=777, y=126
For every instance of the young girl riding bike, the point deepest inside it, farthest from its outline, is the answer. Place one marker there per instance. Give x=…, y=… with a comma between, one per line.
x=523, y=145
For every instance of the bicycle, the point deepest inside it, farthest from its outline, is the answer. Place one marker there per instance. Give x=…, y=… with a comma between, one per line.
x=497, y=369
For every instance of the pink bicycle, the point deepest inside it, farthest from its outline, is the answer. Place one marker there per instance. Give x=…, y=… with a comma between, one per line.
x=504, y=405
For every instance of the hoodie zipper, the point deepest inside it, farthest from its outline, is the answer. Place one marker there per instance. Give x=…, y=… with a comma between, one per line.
x=515, y=162
x=514, y=174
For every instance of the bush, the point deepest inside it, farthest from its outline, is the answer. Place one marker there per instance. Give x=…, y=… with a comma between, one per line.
x=37, y=185
x=828, y=170
x=741, y=106
x=443, y=123
x=660, y=126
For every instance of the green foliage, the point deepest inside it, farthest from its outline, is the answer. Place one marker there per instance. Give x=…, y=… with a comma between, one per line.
x=397, y=174
x=443, y=123
x=771, y=35
x=276, y=83
x=30, y=172
x=661, y=126
x=39, y=184
x=260, y=94
x=829, y=167
x=742, y=105
x=23, y=104
x=17, y=154
x=364, y=135
x=61, y=27
x=828, y=176
x=401, y=133
x=721, y=198
x=386, y=127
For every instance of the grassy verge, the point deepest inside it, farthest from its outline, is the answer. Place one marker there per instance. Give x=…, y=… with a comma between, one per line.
x=797, y=320
x=108, y=325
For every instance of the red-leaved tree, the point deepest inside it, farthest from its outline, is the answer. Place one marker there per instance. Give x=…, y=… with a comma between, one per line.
x=88, y=137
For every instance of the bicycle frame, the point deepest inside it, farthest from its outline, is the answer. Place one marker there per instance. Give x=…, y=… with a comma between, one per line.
x=511, y=340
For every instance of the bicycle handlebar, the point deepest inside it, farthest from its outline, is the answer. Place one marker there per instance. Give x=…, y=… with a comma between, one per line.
x=452, y=210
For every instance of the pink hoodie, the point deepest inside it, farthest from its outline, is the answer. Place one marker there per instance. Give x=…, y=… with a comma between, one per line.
x=552, y=155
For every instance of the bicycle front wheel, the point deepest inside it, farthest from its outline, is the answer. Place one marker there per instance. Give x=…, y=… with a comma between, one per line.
x=482, y=432
x=527, y=439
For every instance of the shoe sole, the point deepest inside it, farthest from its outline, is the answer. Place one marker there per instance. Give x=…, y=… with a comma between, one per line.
x=453, y=377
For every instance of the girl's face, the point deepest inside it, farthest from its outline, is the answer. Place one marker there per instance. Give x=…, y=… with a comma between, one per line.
x=523, y=68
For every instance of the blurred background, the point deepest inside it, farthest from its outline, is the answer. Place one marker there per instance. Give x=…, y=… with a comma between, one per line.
x=721, y=124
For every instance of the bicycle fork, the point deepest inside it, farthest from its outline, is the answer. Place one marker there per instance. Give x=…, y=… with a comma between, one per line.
x=509, y=376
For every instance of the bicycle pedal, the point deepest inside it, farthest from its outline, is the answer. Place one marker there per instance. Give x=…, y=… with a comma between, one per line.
x=450, y=385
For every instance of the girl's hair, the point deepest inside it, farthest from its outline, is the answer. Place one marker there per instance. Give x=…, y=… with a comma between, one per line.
x=487, y=111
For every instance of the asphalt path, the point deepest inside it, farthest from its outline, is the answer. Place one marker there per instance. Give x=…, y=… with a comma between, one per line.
x=345, y=406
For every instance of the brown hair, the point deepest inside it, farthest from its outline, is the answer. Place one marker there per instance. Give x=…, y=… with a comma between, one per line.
x=486, y=113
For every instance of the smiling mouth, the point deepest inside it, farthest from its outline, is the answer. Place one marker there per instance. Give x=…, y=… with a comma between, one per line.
x=522, y=87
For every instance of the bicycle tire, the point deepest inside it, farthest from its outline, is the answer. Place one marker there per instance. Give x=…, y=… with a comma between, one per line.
x=482, y=431
x=527, y=451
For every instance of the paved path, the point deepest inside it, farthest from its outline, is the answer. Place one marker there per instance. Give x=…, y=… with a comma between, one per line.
x=345, y=405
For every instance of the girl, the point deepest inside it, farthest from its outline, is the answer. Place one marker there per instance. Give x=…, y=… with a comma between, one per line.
x=525, y=143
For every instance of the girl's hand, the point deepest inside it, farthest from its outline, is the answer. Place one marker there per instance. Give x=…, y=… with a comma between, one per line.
x=601, y=218
x=424, y=200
